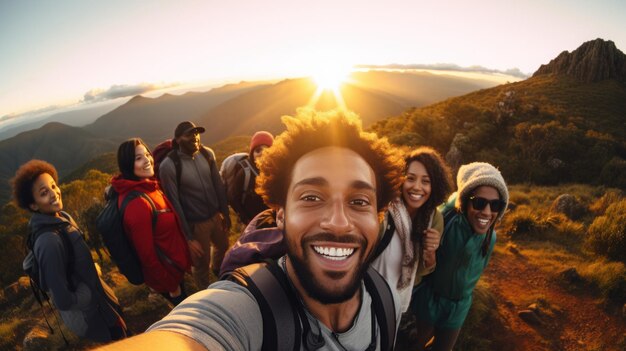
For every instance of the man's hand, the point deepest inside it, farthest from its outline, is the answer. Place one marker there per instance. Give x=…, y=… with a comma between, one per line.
x=195, y=249
x=225, y=222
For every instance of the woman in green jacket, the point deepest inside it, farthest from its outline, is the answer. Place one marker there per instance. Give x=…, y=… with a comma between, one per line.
x=442, y=303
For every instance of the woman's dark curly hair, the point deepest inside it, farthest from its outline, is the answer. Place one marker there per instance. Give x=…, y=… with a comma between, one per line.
x=126, y=157
x=311, y=130
x=440, y=184
x=25, y=177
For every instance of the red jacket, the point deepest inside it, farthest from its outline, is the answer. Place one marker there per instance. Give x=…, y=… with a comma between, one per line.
x=168, y=235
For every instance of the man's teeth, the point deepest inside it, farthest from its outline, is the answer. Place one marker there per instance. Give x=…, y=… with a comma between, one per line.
x=334, y=253
x=483, y=221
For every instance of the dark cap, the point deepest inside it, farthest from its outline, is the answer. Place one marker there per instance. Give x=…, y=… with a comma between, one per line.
x=186, y=127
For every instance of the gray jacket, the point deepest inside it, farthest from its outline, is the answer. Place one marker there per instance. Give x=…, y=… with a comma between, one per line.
x=201, y=193
x=90, y=310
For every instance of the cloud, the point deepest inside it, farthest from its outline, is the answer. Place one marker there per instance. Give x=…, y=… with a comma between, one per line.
x=123, y=90
x=515, y=72
x=42, y=110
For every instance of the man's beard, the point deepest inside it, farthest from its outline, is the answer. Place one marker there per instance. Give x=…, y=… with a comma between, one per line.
x=311, y=285
x=188, y=146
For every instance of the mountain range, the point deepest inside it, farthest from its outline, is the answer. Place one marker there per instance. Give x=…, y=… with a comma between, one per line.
x=526, y=128
x=231, y=110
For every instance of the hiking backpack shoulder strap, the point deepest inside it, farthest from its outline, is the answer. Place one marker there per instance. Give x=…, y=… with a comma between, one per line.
x=247, y=170
x=155, y=213
x=268, y=284
x=173, y=155
x=207, y=155
x=386, y=239
x=384, y=307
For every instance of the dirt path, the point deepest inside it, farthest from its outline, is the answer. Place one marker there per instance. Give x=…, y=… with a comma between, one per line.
x=567, y=320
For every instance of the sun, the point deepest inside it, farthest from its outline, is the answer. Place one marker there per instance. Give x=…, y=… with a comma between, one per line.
x=330, y=77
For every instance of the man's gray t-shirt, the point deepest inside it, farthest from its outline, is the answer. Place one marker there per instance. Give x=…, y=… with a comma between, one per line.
x=227, y=317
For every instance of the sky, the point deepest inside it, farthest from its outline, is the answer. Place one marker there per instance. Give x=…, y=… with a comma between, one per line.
x=55, y=53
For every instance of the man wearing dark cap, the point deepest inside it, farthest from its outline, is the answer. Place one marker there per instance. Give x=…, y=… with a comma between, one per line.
x=191, y=180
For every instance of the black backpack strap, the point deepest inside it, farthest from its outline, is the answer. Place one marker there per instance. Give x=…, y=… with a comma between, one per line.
x=155, y=213
x=281, y=323
x=207, y=155
x=386, y=239
x=384, y=307
x=247, y=171
x=71, y=257
x=173, y=155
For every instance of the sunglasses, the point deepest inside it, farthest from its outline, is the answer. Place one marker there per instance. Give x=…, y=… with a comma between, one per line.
x=479, y=204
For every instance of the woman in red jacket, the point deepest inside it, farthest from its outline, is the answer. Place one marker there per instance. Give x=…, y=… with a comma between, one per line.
x=162, y=249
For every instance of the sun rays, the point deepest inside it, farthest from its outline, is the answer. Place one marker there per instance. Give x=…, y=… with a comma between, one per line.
x=329, y=79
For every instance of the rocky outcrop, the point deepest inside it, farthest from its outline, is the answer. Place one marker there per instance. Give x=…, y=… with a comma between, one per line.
x=568, y=205
x=593, y=61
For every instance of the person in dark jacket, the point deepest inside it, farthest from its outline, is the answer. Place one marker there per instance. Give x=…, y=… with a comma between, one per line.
x=162, y=250
x=87, y=305
x=199, y=200
x=442, y=304
x=245, y=201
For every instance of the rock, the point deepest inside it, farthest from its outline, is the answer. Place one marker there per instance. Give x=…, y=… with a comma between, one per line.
x=454, y=157
x=624, y=311
x=571, y=275
x=513, y=249
x=530, y=317
x=15, y=291
x=569, y=205
x=38, y=339
x=593, y=61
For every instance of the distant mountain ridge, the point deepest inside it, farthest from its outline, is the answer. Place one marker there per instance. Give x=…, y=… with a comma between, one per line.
x=64, y=146
x=593, y=61
x=231, y=110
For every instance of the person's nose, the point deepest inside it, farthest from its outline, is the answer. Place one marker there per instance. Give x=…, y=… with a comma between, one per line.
x=337, y=219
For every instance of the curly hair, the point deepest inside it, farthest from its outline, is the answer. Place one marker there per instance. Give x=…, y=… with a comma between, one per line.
x=25, y=177
x=310, y=130
x=126, y=157
x=441, y=185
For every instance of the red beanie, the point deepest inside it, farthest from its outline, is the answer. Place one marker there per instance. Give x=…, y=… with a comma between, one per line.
x=261, y=138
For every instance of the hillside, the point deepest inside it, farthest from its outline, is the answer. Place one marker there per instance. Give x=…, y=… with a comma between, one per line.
x=553, y=127
x=155, y=118
x=63, y=146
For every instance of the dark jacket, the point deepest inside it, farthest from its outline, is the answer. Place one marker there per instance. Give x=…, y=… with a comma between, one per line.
x=167, y=236
x=92, y=308
x=201, y=194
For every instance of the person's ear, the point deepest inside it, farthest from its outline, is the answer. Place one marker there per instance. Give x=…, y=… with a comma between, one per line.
x=34, y=207
x=280, y=218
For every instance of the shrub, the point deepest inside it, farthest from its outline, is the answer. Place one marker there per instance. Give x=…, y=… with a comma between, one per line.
x=609, y=277
x=519, y=198
x=607, y=233
x=614, y=173
x=610, y=197
x=523, y=223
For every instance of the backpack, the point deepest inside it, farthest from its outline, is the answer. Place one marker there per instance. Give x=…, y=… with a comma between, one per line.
x=261, y=240
x=160, y=153
x=285, y=325
x=228, y=172
x=110, y=224
x=165, y=149
x=31, y=267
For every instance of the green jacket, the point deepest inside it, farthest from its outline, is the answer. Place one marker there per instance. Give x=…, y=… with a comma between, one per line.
x=460, y=262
